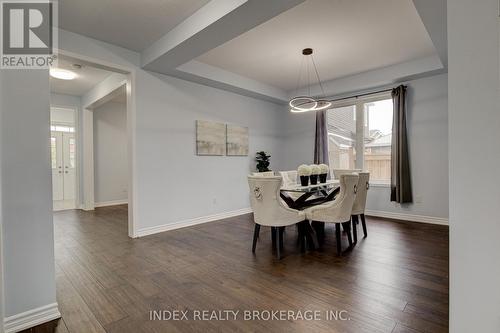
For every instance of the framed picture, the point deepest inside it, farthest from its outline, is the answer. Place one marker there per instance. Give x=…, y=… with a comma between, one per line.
x=210, y=138
x=236, y=140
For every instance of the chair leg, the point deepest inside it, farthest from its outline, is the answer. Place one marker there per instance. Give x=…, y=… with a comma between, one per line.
x=302, y=237
x=280, y=235
x=363, y=223
x=347, y=228
x=339, y=239
x=255, y=236
x=354, y=219
x=273, y=237
x=319, y=229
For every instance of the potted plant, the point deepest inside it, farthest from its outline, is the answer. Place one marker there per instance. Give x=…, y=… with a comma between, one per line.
x=314, y=174
x=262, y=159
x=304, y=172
x=323, y=172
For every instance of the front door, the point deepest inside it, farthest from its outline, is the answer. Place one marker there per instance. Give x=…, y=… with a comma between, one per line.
x=63, y=156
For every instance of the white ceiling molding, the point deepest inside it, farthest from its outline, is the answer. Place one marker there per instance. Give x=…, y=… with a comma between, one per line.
x=212, y=25
x=199, y=72
x=433, y=14
x=105, y=91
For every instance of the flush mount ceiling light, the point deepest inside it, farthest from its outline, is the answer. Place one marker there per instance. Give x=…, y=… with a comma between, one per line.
x=62, y=74
x=308, y=103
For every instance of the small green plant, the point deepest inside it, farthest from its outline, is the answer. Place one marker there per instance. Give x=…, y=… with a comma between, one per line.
x=262, y=159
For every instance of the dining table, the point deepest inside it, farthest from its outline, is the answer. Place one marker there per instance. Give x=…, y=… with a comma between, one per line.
x=300, y=197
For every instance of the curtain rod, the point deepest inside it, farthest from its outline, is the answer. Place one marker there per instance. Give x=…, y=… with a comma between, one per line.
x=361, y=95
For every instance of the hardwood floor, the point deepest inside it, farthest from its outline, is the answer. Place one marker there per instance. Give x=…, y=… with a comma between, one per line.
x=396, y=280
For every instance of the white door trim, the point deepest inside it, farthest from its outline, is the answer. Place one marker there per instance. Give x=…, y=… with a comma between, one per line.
x=88, y=159
x=88, y=183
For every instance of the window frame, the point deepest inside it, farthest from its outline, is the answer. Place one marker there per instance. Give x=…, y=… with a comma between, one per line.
x=359, y=103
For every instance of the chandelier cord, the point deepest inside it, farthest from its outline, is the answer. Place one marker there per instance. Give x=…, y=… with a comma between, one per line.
x=308, y=79
x=300, y=75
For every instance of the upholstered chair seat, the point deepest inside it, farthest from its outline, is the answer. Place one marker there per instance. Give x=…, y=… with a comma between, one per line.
x=269, y=209
x=337, y=211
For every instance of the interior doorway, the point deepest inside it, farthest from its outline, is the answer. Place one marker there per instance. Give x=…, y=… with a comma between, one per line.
x=63, y=153
x=96, y=149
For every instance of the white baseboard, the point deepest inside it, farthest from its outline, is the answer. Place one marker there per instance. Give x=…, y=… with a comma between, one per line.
x=408, y=217
x=111, y=203
x=31, y=318
x=187, y=223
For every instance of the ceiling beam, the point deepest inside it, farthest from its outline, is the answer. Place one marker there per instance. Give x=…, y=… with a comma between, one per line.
x=202, y=73
x=212, y=25
x=433, y=14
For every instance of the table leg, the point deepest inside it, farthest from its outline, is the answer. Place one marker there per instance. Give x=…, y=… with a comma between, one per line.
x=319, y=229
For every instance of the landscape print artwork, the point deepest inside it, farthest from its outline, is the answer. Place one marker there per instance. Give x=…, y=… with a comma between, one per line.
x=210, y=138
x=237, y=140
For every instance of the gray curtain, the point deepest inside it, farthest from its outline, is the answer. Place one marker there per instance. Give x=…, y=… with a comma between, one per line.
x=321, y=139
x=400, y=164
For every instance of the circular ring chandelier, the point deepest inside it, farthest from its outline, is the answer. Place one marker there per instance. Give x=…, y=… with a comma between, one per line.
x=308, y=103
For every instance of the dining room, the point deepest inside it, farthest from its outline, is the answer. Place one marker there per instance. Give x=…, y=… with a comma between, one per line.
x=290, y=166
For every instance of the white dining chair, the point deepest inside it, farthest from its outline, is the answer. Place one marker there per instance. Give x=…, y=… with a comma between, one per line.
x=337, y=211
x=264, y=174
x=289, y=177
x=359, y=205
x=270, y=210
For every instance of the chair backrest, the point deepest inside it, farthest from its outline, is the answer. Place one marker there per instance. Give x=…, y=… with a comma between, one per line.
x=264, y=174
x=289, y=177
x=339, y=172
x=267, y=205
x=363, y=186
x=340, y=210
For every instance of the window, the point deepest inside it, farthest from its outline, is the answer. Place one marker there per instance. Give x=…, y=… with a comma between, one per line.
x=60, y=128
x=53, y=152
x=377, y=154
x=72, y=153
x=362, y=125
x=342, y=137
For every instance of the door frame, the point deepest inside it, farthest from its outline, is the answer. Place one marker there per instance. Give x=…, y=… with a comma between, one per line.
x=77, y=148
x=88, y=142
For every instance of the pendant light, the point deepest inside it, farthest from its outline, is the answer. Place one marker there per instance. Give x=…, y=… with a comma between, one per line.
x=308, y=103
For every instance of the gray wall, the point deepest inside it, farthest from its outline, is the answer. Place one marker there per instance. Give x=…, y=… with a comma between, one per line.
x=173, y=183
x=428, y=145
x=474, y=136
x=2, y=294
x=168, y=173
x=110, y=152
x=28, y=239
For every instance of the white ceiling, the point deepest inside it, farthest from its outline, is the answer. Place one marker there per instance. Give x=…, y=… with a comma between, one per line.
x=348, y=37
x=133, y=24
x=88, y=77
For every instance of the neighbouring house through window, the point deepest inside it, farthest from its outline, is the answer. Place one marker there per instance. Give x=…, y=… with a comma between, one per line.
x=362, y=125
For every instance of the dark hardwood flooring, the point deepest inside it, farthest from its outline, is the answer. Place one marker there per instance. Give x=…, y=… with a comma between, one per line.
x=396, y=280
